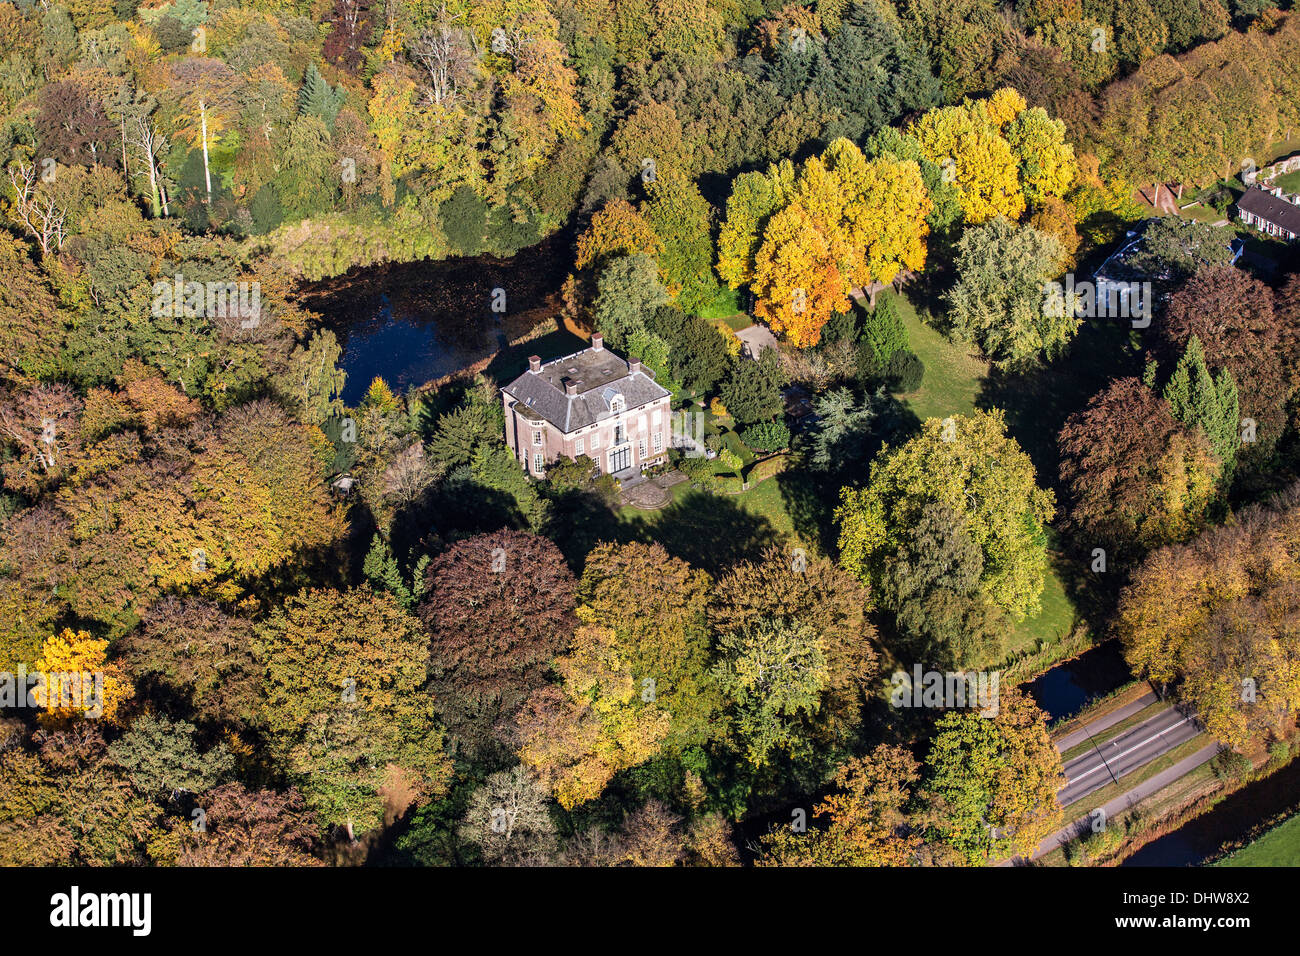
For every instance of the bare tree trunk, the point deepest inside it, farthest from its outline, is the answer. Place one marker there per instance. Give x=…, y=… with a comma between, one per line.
x=150, y=143
x=207, y=175
x=153, y=189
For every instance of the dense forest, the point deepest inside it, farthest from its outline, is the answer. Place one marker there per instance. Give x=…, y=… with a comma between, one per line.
x=456, y=664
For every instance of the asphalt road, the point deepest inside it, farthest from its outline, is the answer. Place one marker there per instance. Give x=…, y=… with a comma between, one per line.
x=1104, y=722
x=1114, y=808
x=1106, y=763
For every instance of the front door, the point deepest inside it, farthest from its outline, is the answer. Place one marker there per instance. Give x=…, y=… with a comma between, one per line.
x=620, y=458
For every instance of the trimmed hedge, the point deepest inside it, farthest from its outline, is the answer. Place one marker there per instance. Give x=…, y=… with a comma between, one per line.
x=760, y=470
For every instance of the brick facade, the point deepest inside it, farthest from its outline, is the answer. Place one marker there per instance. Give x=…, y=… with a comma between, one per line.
x=591, y=403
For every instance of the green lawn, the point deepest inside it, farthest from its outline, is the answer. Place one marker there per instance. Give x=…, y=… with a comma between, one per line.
x=954, y=379
x=1203, y=214
x=734, y=322
x=1280, y=150
x=713, y=532
x=1280, y=846
x=952, y=372
x=1290, y=183
x=724, y=305
x=1056, y=620
x=764, y=500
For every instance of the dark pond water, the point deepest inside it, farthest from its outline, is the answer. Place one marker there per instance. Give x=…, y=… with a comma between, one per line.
x=1232, y=819
x=416, y=322
x=1067, y=688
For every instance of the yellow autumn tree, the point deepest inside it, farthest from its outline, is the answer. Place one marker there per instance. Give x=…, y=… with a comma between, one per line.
x=77, y=680
x=1047, y=164
x=600, y=722
x=871, y=211
x=618, y=229
x=796, y=278
x=827, y=194
x=894, y=203
x=754, y=198
x=967, y=144
x=381, y=396
x=1004, y=106
x=804, y=241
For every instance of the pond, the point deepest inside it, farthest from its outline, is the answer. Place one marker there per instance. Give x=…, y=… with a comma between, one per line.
x=416, y=322
x=1067, y=688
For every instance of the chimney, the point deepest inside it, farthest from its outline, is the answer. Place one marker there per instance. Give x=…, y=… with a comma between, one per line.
x=570, y=388
x=633, y=365
x=534, y=363
x=597, y=341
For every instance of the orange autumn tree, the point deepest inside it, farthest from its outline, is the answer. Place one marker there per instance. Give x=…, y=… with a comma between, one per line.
x=618, y=229
x=793, y=24
x=797, y=281
x=845, y=221
x=79, y=681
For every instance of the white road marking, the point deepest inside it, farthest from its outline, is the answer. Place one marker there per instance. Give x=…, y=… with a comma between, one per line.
x=1118, y=756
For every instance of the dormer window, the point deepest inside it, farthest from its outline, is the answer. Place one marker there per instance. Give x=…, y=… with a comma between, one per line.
x=617, y=403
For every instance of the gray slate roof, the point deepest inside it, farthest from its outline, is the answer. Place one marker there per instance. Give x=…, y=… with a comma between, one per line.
x=599, y=374
x=1271, y=208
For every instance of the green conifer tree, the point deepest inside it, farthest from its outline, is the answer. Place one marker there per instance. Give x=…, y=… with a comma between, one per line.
x=884, y=331
x=316, y=97
x=1200, y=400
x=381, y=570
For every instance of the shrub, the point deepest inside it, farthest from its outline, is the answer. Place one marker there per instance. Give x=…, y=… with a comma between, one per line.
x=884, y=332
x=905, y=371
x=841, y=326
x=266, y=210
x=1279, y=751
x=1230, y=765
x=696, y=469
x=767, y=436
x=1095, y=847
x=172, y=34
x=464, y=220
x=730, y=460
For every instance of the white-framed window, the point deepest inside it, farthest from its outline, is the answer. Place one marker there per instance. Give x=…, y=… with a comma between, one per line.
x=581, y=446
x=658, y=442
x=539, y=462
x=537, y=438
x=595, y=441
x=655, y=418
x=617, y=404
x=640, y=448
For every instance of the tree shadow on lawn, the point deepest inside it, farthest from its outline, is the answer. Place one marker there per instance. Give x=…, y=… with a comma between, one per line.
x=810, y=499
x=1038, y=398
x=810, y=496
x=1093, y=595
x=710, y=532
